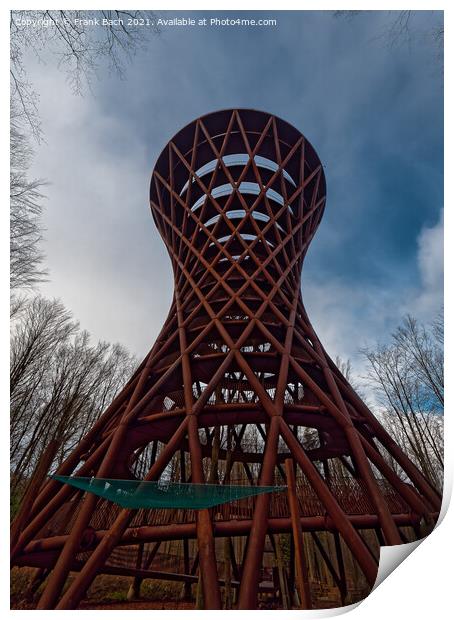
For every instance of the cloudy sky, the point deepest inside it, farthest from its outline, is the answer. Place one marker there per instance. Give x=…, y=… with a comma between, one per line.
x=372, y=110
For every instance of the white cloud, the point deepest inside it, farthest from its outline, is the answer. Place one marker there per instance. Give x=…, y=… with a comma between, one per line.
x=430, y=262
x=348, y=316
x=107, y=261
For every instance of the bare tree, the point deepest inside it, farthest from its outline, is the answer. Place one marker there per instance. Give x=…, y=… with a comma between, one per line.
x=81, y=51
x=25, y=210
x=60, y=384
x=407, y=375
x=400, y=28
x=80, y=47
x=44, y=326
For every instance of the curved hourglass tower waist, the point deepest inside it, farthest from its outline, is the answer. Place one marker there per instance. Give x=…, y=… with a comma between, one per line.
x=237, y=197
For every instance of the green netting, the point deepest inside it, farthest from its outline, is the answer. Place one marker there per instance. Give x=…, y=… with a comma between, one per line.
x=162, y=494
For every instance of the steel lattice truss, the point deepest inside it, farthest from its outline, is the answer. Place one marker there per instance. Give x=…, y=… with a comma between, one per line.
x=237, y=197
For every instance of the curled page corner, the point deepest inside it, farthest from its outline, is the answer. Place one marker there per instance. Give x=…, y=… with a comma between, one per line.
x=392, y=557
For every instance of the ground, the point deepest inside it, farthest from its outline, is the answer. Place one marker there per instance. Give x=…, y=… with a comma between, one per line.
x=109, y=592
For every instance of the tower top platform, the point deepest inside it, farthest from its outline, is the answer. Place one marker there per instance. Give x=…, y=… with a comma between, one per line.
x=238, y=178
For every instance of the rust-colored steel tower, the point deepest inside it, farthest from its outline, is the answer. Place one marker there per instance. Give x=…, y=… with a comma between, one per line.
x=237, y=196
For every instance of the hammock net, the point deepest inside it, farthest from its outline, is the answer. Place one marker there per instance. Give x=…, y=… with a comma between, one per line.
x=163, y=494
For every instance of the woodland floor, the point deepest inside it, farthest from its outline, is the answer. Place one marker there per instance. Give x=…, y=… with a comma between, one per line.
x=110, y=592
x=107, y=592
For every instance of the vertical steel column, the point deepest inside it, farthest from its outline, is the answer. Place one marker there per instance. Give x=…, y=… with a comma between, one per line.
x=247, y=598
x=301, y=569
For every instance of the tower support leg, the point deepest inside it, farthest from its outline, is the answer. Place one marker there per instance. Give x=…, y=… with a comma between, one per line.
x=365, y=559
x=77, y=589
x=301, y=569
x=205, y=538
x=251, y=568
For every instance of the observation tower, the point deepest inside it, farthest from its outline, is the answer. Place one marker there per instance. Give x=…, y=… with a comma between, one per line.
x=237, y=391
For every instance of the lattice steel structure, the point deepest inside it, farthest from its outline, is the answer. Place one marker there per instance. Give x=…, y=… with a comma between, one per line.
x=237, y=196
